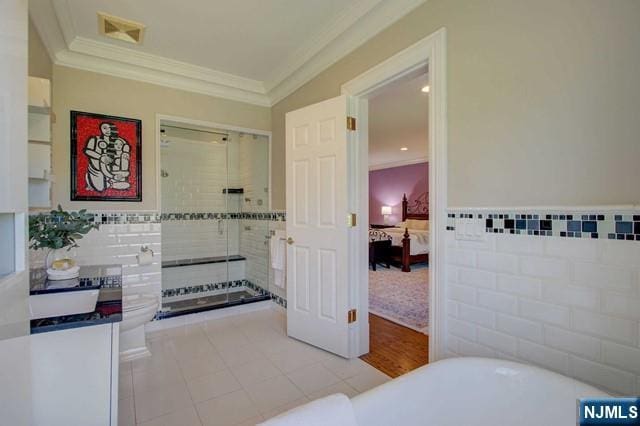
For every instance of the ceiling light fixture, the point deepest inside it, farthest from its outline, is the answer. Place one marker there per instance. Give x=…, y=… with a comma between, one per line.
x=426, y=89
x=404, y=148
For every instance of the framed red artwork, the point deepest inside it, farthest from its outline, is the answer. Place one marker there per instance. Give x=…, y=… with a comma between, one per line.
x=106, y=158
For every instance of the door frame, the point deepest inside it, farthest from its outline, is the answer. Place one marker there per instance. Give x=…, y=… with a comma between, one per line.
x=431, y=52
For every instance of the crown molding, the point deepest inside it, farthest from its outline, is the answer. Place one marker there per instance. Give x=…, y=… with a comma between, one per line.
x=400, y=163
x=378, y=19
x=114, y=68
x=351, y=29
x=140, y=59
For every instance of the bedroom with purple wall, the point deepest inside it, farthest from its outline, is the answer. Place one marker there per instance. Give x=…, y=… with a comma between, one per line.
x=387, y=186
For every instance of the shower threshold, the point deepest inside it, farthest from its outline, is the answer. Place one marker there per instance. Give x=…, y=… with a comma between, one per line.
x=208, y=303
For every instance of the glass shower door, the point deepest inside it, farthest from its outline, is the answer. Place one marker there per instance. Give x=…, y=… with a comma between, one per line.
x=195, y=213
x=254, y=232
x=215, y=218
x=233, y=194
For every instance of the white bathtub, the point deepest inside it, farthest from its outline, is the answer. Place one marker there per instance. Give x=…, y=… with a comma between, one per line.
x=473, y=391
x=454, y=392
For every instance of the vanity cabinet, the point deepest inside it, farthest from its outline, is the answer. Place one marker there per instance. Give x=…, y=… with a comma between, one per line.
x=75, y=357
x=74, y=376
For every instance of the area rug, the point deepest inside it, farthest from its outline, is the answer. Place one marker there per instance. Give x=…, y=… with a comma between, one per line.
x=401, y=297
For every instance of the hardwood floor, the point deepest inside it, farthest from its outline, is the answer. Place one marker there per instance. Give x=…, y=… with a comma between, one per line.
x=394, y=349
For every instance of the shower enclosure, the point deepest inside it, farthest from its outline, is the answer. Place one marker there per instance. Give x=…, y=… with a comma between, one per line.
x=214, y=185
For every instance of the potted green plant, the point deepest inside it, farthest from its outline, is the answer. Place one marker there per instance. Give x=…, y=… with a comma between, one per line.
x=58, y=231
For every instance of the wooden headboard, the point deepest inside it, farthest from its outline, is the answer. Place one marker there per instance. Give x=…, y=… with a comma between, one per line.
x=418, y=209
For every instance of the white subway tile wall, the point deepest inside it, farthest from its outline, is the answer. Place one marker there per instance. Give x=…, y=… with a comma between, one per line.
x=253, y=172
x=210, y=273
x=191, y=239
x=570, y=305
x=120, y=244
x=254, y=245
x=275, y=290
x=196, y=174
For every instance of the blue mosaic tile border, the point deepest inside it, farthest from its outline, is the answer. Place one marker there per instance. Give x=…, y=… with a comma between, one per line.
x=121, y=218
x=110, y=281
x=204, y=288
x=612, y=226
x=278, y=216
x=126, y=218
x=133, y=218
x=275, y=216
x=279, y=300
x=183, y=291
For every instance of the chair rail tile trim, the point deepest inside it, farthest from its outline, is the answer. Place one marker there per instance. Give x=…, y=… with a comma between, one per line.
x=623, y=226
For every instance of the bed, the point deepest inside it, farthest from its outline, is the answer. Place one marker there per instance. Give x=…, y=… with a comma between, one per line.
x=410, y=238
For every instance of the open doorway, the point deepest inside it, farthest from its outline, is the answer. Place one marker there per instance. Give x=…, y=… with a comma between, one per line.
x=328, y=257
x=398, y=206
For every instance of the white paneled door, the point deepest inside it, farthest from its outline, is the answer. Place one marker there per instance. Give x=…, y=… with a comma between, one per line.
x=317, y=229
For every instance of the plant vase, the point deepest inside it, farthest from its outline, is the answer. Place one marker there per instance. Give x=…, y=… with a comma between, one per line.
x=61, y=264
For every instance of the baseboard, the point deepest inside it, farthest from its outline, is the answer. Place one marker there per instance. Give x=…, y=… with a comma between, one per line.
x=133, y=354
x=276, y=306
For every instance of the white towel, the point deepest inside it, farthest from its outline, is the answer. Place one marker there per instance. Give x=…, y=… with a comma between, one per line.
x=333, y=410
x=278, y=258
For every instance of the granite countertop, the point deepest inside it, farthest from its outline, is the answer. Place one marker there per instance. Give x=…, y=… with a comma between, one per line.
x=107, y=278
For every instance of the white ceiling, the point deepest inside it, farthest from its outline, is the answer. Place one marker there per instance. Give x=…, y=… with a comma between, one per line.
x=211, y=34
x=255, y=51
x=398, y=118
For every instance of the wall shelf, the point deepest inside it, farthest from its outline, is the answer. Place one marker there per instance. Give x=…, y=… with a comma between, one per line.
x=7, y=244
x=47, y=142
x=35, y=109
x=39, y=146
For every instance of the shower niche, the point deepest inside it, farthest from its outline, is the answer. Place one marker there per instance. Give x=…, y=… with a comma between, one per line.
x=214, y=185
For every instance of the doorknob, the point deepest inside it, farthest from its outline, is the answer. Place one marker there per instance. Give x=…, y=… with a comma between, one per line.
x=289, y=240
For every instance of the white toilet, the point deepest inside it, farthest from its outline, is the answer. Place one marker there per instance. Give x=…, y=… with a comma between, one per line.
x=137, y=310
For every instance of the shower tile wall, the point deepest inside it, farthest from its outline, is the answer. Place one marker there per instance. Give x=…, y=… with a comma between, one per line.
x=195, y=174
x=254, y=245
x=254, y=179
x=190, y=276
x=253, y=172
x=280, y=293
x=190, y=239
x=120, y=243
x=194, y=177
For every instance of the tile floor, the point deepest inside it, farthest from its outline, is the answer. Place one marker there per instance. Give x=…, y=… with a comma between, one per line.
x=237, y=370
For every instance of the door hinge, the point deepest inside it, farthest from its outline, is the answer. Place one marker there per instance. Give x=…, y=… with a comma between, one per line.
x=351, y=220
x=352, y=315
x=351, y=123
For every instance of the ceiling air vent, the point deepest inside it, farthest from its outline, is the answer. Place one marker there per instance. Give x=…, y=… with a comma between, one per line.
x=120, y=29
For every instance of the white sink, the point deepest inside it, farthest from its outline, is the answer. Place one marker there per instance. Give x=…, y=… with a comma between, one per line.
x=62, y=303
